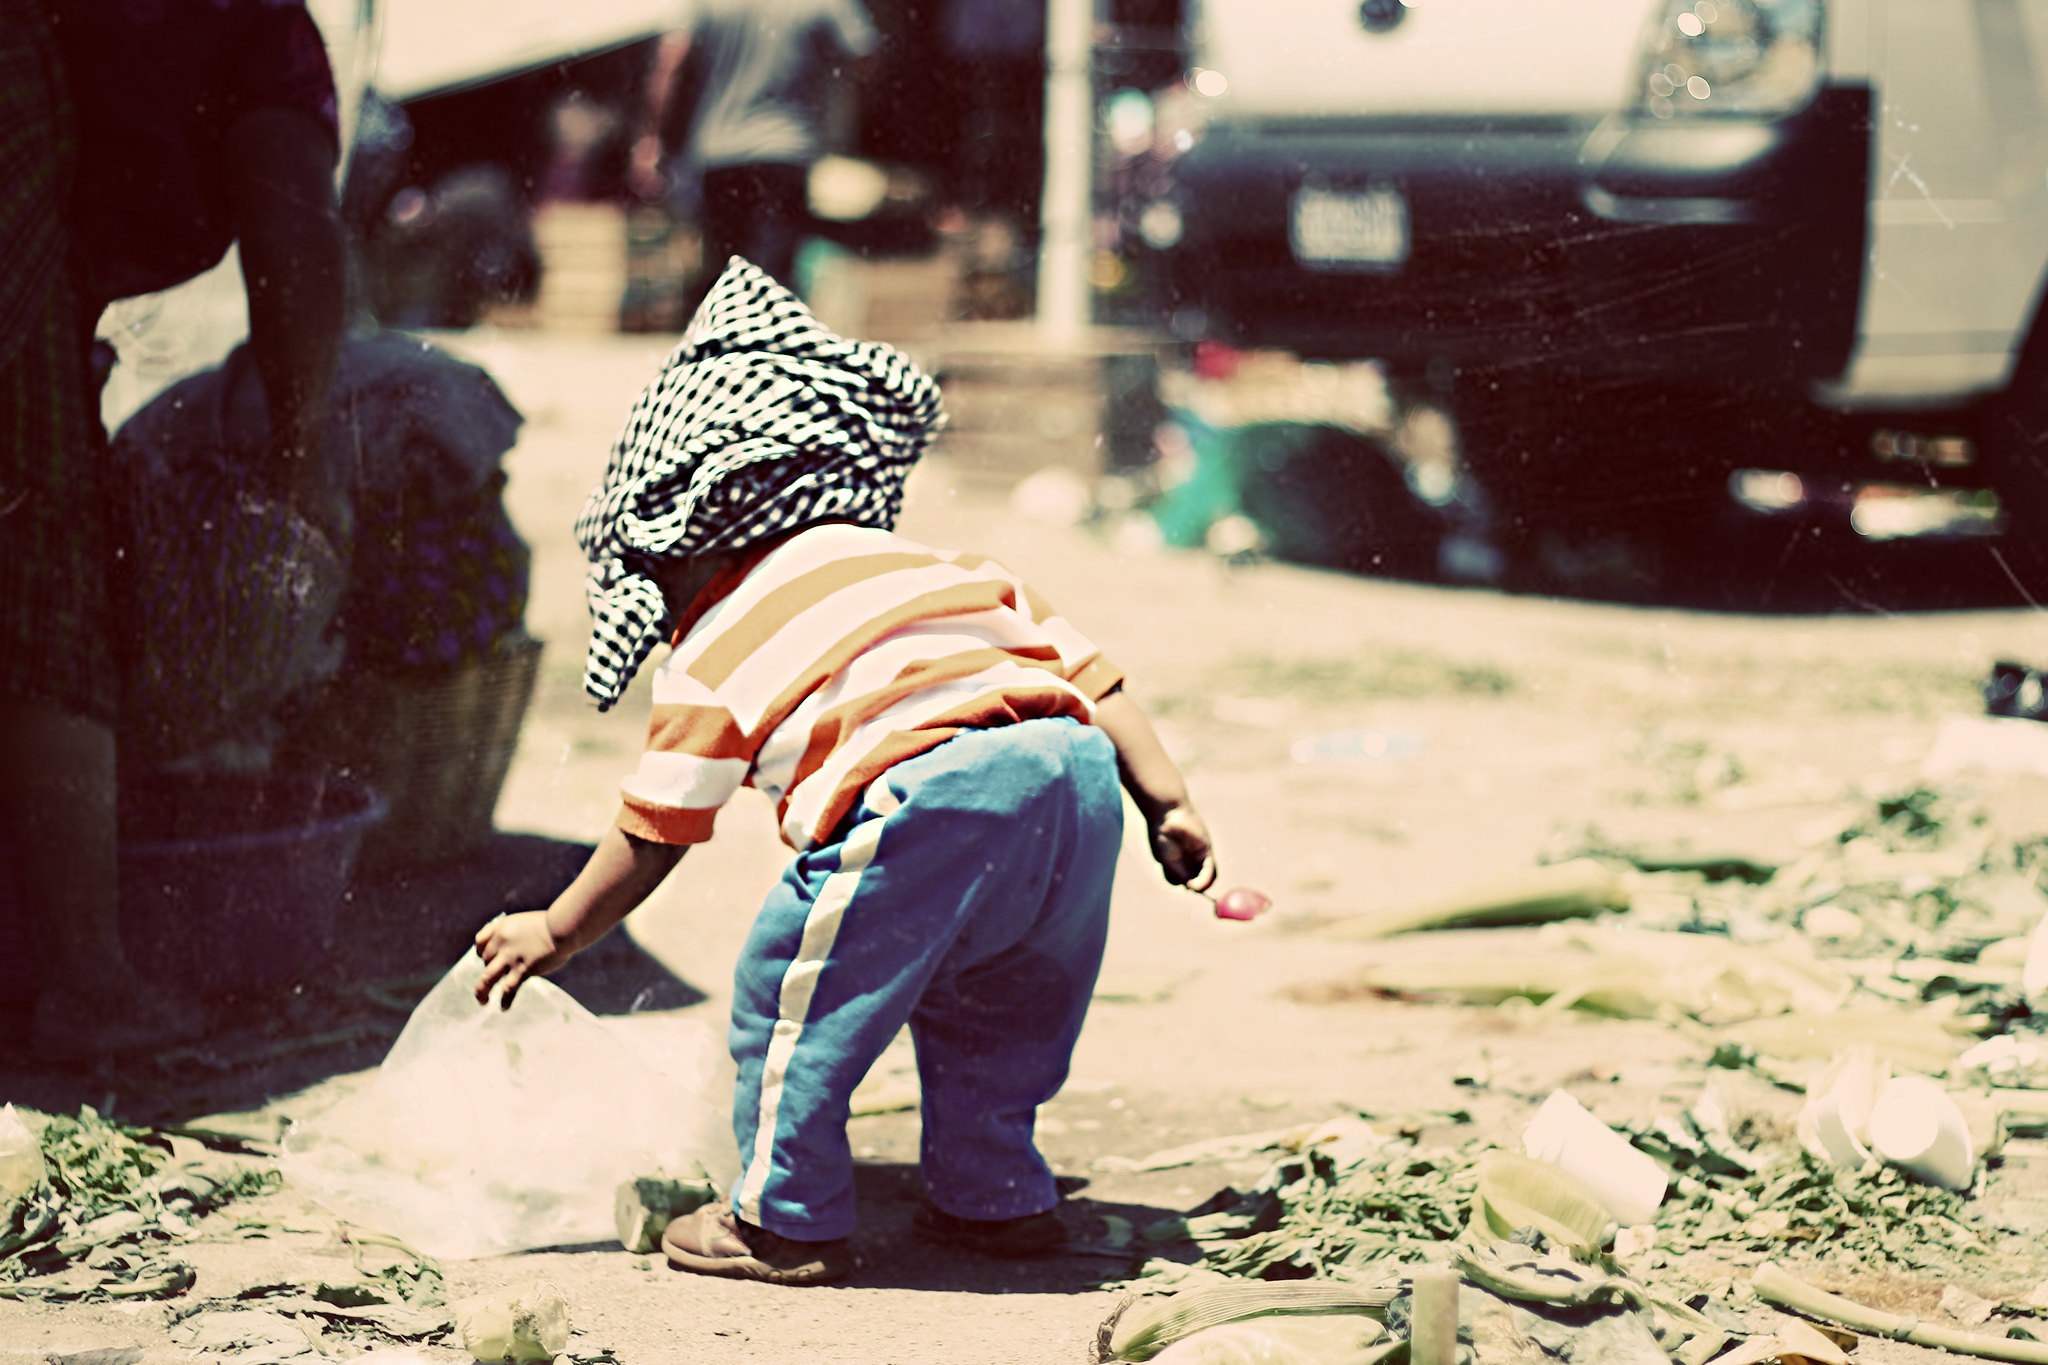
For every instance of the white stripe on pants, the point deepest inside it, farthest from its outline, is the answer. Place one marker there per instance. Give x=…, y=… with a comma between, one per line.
x=821, y=929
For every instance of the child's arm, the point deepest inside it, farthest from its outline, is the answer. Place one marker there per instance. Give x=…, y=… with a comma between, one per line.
x=1180, y=841
x=622, y=872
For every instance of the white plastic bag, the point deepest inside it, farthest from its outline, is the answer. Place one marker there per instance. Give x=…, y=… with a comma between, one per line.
x=489, y=1130
x=21, y=1164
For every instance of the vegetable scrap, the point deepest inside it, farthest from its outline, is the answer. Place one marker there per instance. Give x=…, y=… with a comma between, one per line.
x=1914, y=899
x=1912, y=945
x=1294, y=1313
x=1545, y=1252
x=95, y=1210
x=1622, y=971
x=395, y=1295
x=1577, y=889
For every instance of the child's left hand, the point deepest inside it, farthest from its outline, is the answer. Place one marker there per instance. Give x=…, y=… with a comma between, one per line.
x=515, y=947
x=1180, y=841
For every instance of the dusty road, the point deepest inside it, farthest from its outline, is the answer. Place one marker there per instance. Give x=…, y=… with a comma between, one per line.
x=1513, y=725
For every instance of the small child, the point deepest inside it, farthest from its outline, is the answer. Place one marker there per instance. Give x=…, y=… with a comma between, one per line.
x=943, y=750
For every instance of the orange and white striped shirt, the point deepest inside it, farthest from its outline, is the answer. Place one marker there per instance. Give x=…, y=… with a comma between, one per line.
x=846, y=650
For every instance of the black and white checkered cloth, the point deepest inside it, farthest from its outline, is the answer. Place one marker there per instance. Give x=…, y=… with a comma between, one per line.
x=761, y=421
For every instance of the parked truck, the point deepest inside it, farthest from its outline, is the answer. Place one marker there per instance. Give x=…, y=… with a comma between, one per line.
x=1638, y=245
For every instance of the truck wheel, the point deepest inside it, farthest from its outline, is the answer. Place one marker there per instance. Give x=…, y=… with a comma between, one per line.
x=1599, y=488
x=2014, y=440
x=1513, y=442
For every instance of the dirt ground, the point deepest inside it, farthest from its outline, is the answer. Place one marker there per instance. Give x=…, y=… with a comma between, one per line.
x=1517, y=724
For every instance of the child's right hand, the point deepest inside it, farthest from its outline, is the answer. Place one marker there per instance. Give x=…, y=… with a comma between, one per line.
x=515, y=947
x=1180, y=841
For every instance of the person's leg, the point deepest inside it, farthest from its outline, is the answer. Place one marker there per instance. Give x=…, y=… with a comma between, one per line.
x=58, y=691
x=1018, y=173
x=57, y=684
x=725, y=214
x=996, y=1029
x=780, y=218
x=978, y=134
x=57, y=809
x=954, y=858
x=822, y=986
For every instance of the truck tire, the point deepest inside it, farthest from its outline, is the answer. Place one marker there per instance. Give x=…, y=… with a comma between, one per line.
x=1601, y=488
x=2014, y=453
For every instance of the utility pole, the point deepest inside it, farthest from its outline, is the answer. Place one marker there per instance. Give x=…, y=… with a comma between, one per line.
x=1063, y=295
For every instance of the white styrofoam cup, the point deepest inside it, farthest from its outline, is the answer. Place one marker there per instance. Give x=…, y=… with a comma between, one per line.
x=1629, y=1184
x=1915, y=1126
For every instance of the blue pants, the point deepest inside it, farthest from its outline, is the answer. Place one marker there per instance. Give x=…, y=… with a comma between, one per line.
x=967, y=896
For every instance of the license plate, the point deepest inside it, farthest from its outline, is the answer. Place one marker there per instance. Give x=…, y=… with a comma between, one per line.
x=1350, y=229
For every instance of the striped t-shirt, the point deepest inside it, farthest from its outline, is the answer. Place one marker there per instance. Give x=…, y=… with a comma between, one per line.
x=846, y=650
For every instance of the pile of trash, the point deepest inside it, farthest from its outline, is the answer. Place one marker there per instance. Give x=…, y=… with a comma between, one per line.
x=395, y=1295
x=92, y=1210
x=1915, y=929
x=1346, y=1199
x=310, y=1320
x=419, y=1150
x=1897, y=975
x=96, y=1211
x=1549, y=1268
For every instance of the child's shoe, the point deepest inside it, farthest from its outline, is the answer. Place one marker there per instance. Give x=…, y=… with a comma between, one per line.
x=1032, y=1235
x=715, y=1241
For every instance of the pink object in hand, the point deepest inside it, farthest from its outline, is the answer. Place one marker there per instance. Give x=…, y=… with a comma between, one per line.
x=1242, y=902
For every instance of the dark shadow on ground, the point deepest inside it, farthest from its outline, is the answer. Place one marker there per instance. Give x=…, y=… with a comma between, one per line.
x=398, y=933
x=889, y=1253
x=1618, y=521
x=414, y=923
x=1808, y=563
x=892, y=1255
x=1817, y=566
x=1797, y=564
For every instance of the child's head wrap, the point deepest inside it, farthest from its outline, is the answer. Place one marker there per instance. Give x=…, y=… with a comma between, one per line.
x=760, y=422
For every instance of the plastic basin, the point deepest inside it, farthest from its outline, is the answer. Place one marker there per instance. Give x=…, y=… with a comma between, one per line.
x=228, y=883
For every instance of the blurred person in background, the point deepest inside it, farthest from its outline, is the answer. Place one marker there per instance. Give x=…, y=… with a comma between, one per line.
x=138, y=140
x=995, y=60
x=737, y=113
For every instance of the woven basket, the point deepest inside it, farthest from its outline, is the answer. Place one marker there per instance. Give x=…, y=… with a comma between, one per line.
x=437, y=749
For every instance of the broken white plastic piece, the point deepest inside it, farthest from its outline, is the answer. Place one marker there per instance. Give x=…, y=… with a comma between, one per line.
x=1833, y=1136
x=1918, y=1128
x=2034, y=975
x=1834, y=1122
x=518, y=1326
x=1433, y=1330
x=1629, y=1184
x=2007, y=1061
x=1990, y=744
x=1634, y=1241
x=21, y=1162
